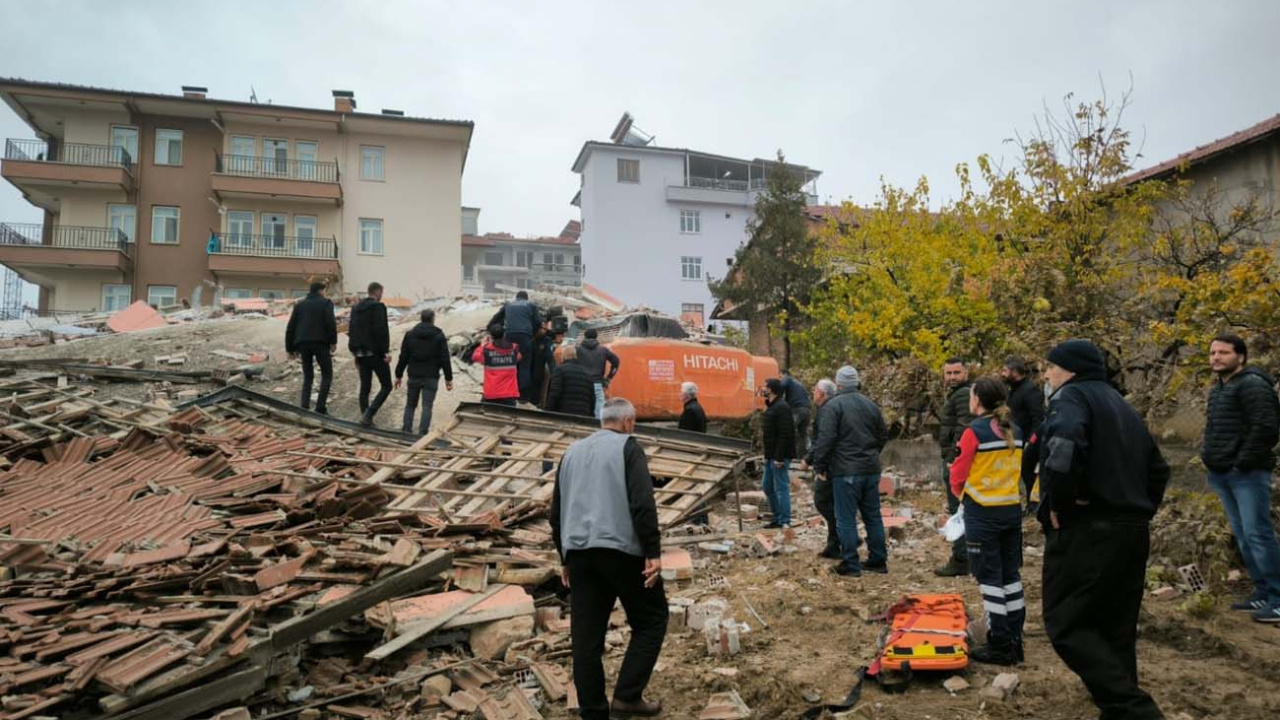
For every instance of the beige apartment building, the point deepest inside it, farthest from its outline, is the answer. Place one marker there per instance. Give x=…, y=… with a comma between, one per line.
x=165, y=198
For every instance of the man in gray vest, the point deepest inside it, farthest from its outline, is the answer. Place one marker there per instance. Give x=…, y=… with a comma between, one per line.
x=605, y=525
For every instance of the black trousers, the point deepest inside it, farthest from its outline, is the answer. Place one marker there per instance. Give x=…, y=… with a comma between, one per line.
x=598, y=578
x=524, y=369
x=1094, y=571
x=994, y=540
x=824, y=500
x=368, y=367
x=424, y=388
x=321, y=356
x=959, y=551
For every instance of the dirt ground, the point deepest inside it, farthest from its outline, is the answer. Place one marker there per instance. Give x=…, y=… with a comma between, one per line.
x=1223, y=667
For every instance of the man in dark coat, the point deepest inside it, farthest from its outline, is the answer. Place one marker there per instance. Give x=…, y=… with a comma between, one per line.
x=544, y=365
x=572, y=391
x=369, y=340
x=519, y=319
x=692, y=417
x=779, y=431
x=1026, y=400
x=1241, y=430
x=1102, y=477
x=824, y=500
x=600, y=361
x=955, y=417
x=798, y=400
x=312, y=334
x=425, y=353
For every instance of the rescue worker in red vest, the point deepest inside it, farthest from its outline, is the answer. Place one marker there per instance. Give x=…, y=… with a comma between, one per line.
x=501, y=359
x=986, y=476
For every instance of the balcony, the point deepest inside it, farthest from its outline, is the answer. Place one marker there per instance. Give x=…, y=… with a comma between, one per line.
x=717, y=191
x=39, y=169
x=32, y=249
x=275, y=255
x=255, y=177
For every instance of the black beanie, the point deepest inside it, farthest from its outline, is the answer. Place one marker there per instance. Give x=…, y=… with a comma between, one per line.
x=1079, y=357
x=774, y=385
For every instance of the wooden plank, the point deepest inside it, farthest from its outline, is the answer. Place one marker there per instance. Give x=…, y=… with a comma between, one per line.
x=420, y=630
x=215, y=693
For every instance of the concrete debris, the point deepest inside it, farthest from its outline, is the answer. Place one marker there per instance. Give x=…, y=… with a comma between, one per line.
x=955, y=684
x=1002, y=687
x=725, y=706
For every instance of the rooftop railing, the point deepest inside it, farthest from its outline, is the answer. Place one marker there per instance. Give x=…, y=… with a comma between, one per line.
x=67, y=153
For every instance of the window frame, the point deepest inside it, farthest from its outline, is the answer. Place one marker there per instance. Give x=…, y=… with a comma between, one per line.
x=690, y=222
x=133, y=231
x=111, y=138
x=241, y=293
x=468, y=273
x=307, y=220
x=272, y=294
x=688, y=263
x=634, y=162
x=235, y=238
x=177, y=227
x=382, y=163
x=360, y=230
x=182, y=148
x=128, y=295
x=152, y=288
x=491, y=254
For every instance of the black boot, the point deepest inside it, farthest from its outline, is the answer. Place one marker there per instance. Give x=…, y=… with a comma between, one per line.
x=953, y=568
x=997, y=651
x=830, y=552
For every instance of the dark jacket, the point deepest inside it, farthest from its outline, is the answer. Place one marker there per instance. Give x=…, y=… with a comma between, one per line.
x=368, y=331
x=1097, y=458
x=572, y=391
x=779, y=430
x=592, y=356
x=518, y=317
x=796, y=396
x=1242, y=423
x=1026, y=404
x=425, y=352
x=813, y=431
x=955, y=417
x=851, y=433
x=640, y=502
x=693, y=418
x=311, y=323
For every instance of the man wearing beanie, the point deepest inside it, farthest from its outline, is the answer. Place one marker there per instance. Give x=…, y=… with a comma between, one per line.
x=851, y=433
x=1101, y=479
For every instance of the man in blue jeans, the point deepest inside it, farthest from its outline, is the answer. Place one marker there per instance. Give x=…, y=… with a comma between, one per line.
x=779, y=432
x=1241, y=430
x=851, y=434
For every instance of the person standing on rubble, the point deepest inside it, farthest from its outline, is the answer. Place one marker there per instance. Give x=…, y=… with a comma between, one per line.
x=986, y=476
x=519, y=319
x=544, y=364
x=693, y=417
x=955, y=417
x=851, y=434
x=425, y=353
x=1243, y=425
x=1102, y=477
x=1026, y=404
x=604, y=522
x=500, y=358
x=572, y=390
x=597, y=358
x=798, y=400
x=312, y=334
x=779, y=432
x=823, y=499
x=369, y=340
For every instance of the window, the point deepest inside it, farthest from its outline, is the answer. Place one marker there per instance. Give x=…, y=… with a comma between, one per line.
x=370, y=163
x=266, y=294
x=297, y=294
x=275, y=156
x=237, y=294
x=691, y=268
x=371, y=237
x=164, y=225
x=126, y=138
x=240, y=229
x=123, y=218
x=274, y=230
x=162, y=295
x=493, y=258
x=692, y=313
x=306, y=152
x=524, y=283
x=468, y=272
x=691, y=221
x=577, y=263
x=304, y=230
x=116, y=297
x=628, y=171
x=491, y=286
x=168, y=147
x=524, y=258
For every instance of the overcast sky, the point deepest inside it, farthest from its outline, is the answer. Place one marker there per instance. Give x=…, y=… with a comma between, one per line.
x=858, y=90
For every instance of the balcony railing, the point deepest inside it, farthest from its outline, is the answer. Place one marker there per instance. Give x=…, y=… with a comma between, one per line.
x=724, y=184
x=277, y=168
x=283, y=246
x=67, y=153
x=71, y=237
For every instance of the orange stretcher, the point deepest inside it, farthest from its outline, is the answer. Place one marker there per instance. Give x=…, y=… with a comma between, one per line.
x=926, y=632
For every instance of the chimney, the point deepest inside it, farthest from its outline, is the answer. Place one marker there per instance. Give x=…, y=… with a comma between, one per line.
x=344, y=101
x=194, y=92
x=395, y=113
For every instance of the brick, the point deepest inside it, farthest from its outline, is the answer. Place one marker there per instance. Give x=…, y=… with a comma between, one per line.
x=677, y=564
x=763, y=546
x=1002, y=687
x=955, y=684
x=749, y=512
x=888, y=486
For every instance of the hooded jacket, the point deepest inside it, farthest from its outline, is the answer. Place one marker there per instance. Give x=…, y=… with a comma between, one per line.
x=693, y=417
x=425, y=353
x=311, y=323
x=851, y=433
x=368, y=333
x=955, y=418
x=592, y=356
x=1097, y=458
x=572, y=391
x=1243, y=423
x=779, y=430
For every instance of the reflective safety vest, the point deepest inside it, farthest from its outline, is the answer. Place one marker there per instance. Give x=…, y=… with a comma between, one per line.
x=989, y=471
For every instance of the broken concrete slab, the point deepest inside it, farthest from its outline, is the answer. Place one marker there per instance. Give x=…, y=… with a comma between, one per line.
x=491, y=640
x=138, y=316
x=725, y=706
x=1002, y=687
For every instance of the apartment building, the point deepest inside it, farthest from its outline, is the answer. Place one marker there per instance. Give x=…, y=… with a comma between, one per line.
x=500, y=259
x=165, y=198
x=658, y=221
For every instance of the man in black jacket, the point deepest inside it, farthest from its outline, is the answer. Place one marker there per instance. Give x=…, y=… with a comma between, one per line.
x=693, y=417
x=600, y=362
x=851, y=434
x=312, y=333
x=572, y=391
x=425, y=353
x=824, y=500
x=369, y=340
x=798, y=400
x=1026, y=400
x=604, y=522
x=1243, y=425
x=519, y=319
x=955, y=417
x=779, y=431
x=1102, y=477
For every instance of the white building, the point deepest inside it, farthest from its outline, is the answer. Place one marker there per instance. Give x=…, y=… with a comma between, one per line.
x=657, y=221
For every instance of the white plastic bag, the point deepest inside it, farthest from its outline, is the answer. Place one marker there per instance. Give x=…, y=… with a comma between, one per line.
x=954, y=529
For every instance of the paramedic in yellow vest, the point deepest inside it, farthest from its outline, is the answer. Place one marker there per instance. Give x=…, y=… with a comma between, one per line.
x=986, y=476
